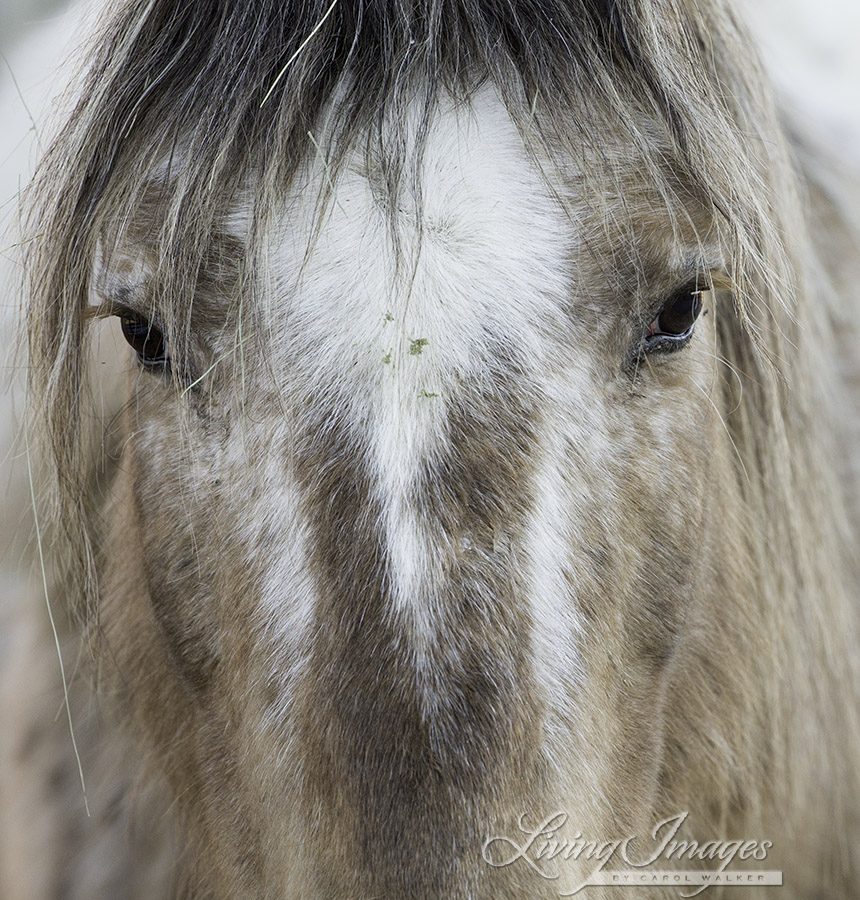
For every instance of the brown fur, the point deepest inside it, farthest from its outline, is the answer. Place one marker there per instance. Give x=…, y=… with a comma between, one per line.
x=712, y=567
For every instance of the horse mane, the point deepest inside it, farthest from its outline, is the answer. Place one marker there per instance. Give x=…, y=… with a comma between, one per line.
x=204, y=102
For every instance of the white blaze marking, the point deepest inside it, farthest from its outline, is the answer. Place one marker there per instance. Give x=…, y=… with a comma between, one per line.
x=388, y=349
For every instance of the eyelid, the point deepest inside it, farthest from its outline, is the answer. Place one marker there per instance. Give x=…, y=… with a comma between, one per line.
x=110, y=308
x=107, y=309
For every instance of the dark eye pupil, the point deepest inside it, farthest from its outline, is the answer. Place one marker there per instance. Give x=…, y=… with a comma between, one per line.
x=679, y=316
x=145, y=339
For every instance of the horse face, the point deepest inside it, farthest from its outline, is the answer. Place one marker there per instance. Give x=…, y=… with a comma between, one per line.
x=426, y=519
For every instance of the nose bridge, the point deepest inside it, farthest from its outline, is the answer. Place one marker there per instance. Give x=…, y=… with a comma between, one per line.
x=417, y=695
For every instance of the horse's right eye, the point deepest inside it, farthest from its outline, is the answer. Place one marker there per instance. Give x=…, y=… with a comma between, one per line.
x=145, y=339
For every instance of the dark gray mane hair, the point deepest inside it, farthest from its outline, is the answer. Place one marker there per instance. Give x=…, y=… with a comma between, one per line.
x=208, y=99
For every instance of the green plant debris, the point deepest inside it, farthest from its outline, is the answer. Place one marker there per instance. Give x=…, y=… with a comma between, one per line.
x=386, y=360
x=417, y=346
x=428, y=394
x=387, y=318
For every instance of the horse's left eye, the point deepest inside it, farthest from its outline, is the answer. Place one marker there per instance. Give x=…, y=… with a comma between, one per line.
x=674, y=325
x=145, y=339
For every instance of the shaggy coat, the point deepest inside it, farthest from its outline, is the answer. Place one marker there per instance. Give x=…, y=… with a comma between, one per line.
x=485, y=457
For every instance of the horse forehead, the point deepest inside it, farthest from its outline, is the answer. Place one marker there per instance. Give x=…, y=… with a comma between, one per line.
x=483, y=248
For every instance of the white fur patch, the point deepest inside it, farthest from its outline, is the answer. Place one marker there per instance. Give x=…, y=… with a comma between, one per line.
x=389, y=347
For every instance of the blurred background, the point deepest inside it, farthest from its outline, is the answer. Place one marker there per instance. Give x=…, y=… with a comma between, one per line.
x=16, y=16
